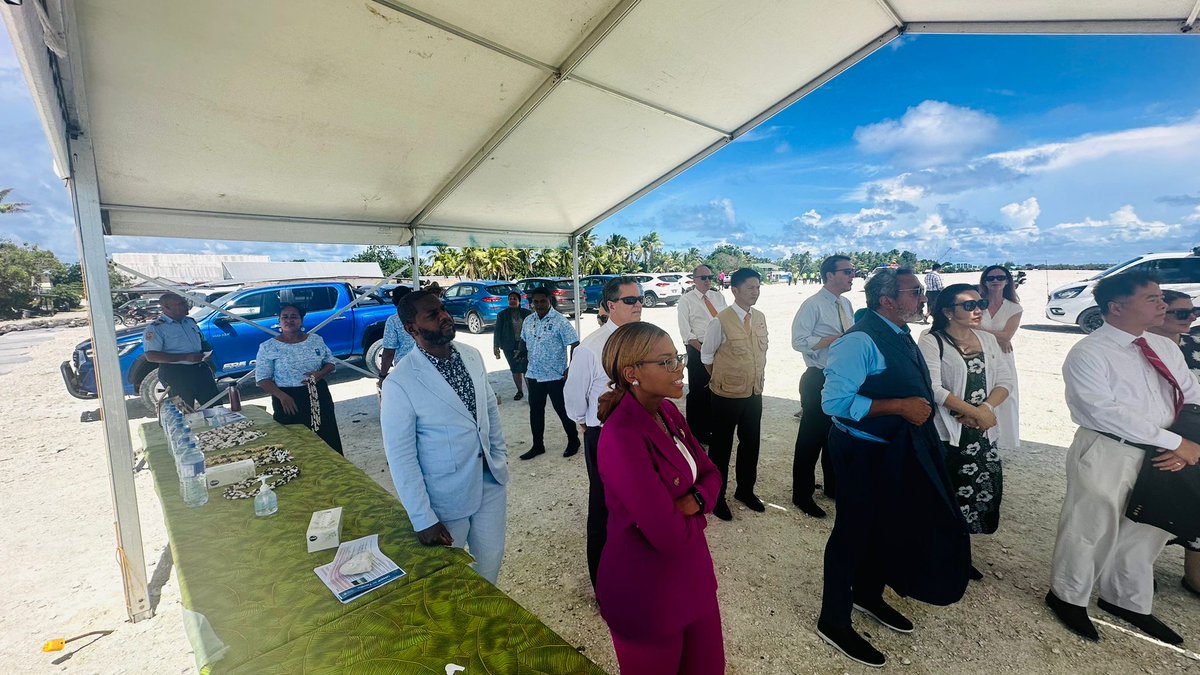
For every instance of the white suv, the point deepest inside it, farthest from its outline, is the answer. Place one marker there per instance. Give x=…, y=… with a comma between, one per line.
x=1073, y=303
x=660, y=288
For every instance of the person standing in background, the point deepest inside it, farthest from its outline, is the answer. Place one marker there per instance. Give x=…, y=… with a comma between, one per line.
x=1002, y=319
x=933, y=288
x=506, y=337
x=735, y=353
x=821, y=320
x=696, y=309
x=547, y=335
x=173, y=341
x=587, y=381
x=397, y=343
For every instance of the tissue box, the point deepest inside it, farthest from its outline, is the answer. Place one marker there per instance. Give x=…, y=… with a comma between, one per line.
x=325, y=530
x=228, y=474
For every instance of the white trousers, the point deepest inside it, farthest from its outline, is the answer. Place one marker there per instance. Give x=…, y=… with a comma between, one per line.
x=482, y=532
x=1096, y=542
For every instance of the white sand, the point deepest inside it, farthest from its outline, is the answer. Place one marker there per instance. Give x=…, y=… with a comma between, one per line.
x=63, y=579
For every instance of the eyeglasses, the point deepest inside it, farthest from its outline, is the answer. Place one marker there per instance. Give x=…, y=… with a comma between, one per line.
x=671, y=365
x=631, y=299
x=849, y=271
x=995, y=278
x=1183, y=314
x=918, y=290
x=971, y=305
x=703, y=277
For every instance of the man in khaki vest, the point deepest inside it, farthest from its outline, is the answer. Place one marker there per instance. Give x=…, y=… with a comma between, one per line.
x=735, y=353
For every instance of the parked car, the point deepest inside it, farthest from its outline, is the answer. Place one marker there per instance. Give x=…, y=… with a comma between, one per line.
x=562, y=291
x=1073, y=303
x=593, y=288
x=660, y=288
x=357, y=332
x=476, y=304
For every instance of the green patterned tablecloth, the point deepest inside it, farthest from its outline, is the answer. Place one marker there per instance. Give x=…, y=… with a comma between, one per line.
x=258, y=606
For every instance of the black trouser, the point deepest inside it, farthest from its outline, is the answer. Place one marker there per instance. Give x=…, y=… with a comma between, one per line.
x=538, y=391
x=855, y=555
x=189, y=381
x=329, y=428
x=811, y=439
x=931, y=300
x=699, y=398
x=597, y=515
x=744, y=415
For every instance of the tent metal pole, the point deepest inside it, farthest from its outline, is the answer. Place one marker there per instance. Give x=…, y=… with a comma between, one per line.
x=85, y=197
x=414, y=253
x=575, y=275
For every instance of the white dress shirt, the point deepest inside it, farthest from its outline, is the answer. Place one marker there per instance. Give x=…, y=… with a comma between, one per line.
x=714, y=337
x=586, y=379
x=1111, y=387
x=818, y=318
x=693, y=315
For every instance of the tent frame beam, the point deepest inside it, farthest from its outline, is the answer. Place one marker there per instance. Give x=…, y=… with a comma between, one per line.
x=1066, y=27
x=124, y=219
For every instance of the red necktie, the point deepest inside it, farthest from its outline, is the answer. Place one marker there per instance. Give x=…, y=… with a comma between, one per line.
x=1161, y=369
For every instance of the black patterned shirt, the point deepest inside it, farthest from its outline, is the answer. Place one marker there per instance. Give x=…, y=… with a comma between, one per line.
x=455, y=372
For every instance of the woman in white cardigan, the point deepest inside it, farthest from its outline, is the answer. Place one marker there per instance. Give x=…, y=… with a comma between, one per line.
x=971, y=379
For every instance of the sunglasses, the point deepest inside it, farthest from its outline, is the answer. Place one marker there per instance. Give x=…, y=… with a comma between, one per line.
x=996, y=278
x=972, y=305
x=671, y=365
x=703, y=277
x=849, y=271
x=631, y=299
x=918, y=290
x=1183, y=314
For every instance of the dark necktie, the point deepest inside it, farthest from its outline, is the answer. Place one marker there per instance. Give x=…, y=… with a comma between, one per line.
x=1163, y=371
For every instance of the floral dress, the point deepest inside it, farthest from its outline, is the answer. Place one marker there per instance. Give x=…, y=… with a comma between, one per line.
x=974, y=463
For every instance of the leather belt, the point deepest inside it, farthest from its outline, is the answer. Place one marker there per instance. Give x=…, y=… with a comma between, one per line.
x=1141, y=446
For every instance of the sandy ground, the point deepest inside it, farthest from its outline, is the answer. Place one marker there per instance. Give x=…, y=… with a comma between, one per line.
x=59, y=556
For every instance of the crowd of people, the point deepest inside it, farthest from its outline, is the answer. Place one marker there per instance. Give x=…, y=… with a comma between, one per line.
x=910, y=432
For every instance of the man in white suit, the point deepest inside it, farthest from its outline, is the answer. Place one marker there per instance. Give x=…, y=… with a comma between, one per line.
x=443, y=440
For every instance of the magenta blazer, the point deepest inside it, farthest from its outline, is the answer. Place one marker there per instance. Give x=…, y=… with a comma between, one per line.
x=656, y=574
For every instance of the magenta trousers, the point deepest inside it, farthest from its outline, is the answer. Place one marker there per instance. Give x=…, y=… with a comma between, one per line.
x=698, y=649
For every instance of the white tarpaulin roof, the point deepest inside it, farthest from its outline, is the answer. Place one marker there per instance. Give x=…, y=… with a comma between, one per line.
x=505, y=122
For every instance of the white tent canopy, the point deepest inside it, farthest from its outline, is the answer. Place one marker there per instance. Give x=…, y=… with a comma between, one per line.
x=507, y=122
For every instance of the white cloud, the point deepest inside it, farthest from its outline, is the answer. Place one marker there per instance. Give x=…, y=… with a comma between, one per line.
x=1177, y=140
x=811, y=217
x=1193, y=217
x=1122, y=225
x=928, y=134
x=1023, y=214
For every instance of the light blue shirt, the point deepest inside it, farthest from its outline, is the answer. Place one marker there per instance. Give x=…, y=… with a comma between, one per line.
x=286, y=364
x=546, y=341
x=173, y=337
x=852, y=359
x=395, y=337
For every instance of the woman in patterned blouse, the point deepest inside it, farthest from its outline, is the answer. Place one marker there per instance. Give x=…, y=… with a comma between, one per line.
x=971, y=378
x=291, y=367
x=1177, y=325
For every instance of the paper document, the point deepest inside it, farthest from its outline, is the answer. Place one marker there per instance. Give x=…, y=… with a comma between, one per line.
x=347, y=587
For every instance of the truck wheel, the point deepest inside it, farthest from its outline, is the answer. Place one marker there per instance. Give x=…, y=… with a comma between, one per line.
x=1091, y=319
x=474, y=323
x=151, y=390
x=649, y=300
x=374, y=360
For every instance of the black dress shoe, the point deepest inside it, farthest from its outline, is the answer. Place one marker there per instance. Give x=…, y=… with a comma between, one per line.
x=852, y=645
x=810, y=507
x=721, y=510
x=571, y=450
x=976, y=575
x=1146, y=623
x=886, y=615
x=533, y=453
x=1073, y=617
x=520, y=395
x=1188, y=587
x=752, y=502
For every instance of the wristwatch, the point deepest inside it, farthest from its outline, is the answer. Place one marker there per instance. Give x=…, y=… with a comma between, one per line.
x=699, y=499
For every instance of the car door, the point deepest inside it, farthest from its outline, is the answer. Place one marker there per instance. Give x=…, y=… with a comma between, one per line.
x=235, y=343
x=456, y=299
x=320, y=303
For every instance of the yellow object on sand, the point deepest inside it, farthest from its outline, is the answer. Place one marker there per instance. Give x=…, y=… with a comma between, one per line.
x=54, y=645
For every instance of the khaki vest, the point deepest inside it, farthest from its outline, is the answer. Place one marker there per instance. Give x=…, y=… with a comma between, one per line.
x=740, y=364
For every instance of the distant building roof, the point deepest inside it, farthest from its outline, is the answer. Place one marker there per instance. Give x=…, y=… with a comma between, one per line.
x=266, y=271
x=183, y=267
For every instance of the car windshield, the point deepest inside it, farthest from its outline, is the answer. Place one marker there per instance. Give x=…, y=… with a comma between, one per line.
x=198, y=312
x=502, y=289
x=564, y=285
x=1114, y=268
x=670, y=277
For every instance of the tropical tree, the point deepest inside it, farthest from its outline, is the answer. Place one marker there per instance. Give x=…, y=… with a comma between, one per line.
x=389, y=261
x=11, y=207
x=446, y=262
x=649, y=245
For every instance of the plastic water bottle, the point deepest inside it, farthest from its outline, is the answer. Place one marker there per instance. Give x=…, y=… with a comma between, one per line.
x=193, y=486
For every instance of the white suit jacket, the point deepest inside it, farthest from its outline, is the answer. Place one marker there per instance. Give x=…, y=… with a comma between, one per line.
x=434, y=448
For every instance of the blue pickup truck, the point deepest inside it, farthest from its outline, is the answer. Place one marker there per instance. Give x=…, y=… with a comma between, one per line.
x=357, y=332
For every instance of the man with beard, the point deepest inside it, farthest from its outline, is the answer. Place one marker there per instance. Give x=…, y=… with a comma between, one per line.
x=898, y=523
x=443, y=440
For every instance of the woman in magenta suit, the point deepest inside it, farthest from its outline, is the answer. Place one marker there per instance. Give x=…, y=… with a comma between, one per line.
x=656, y=586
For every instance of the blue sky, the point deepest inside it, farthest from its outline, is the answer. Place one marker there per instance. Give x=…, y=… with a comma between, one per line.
x=967, y=148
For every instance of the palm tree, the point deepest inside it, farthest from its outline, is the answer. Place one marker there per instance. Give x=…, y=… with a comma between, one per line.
x=446, y=262
x=649, y=244
x=11, y=207
x=622, y=250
